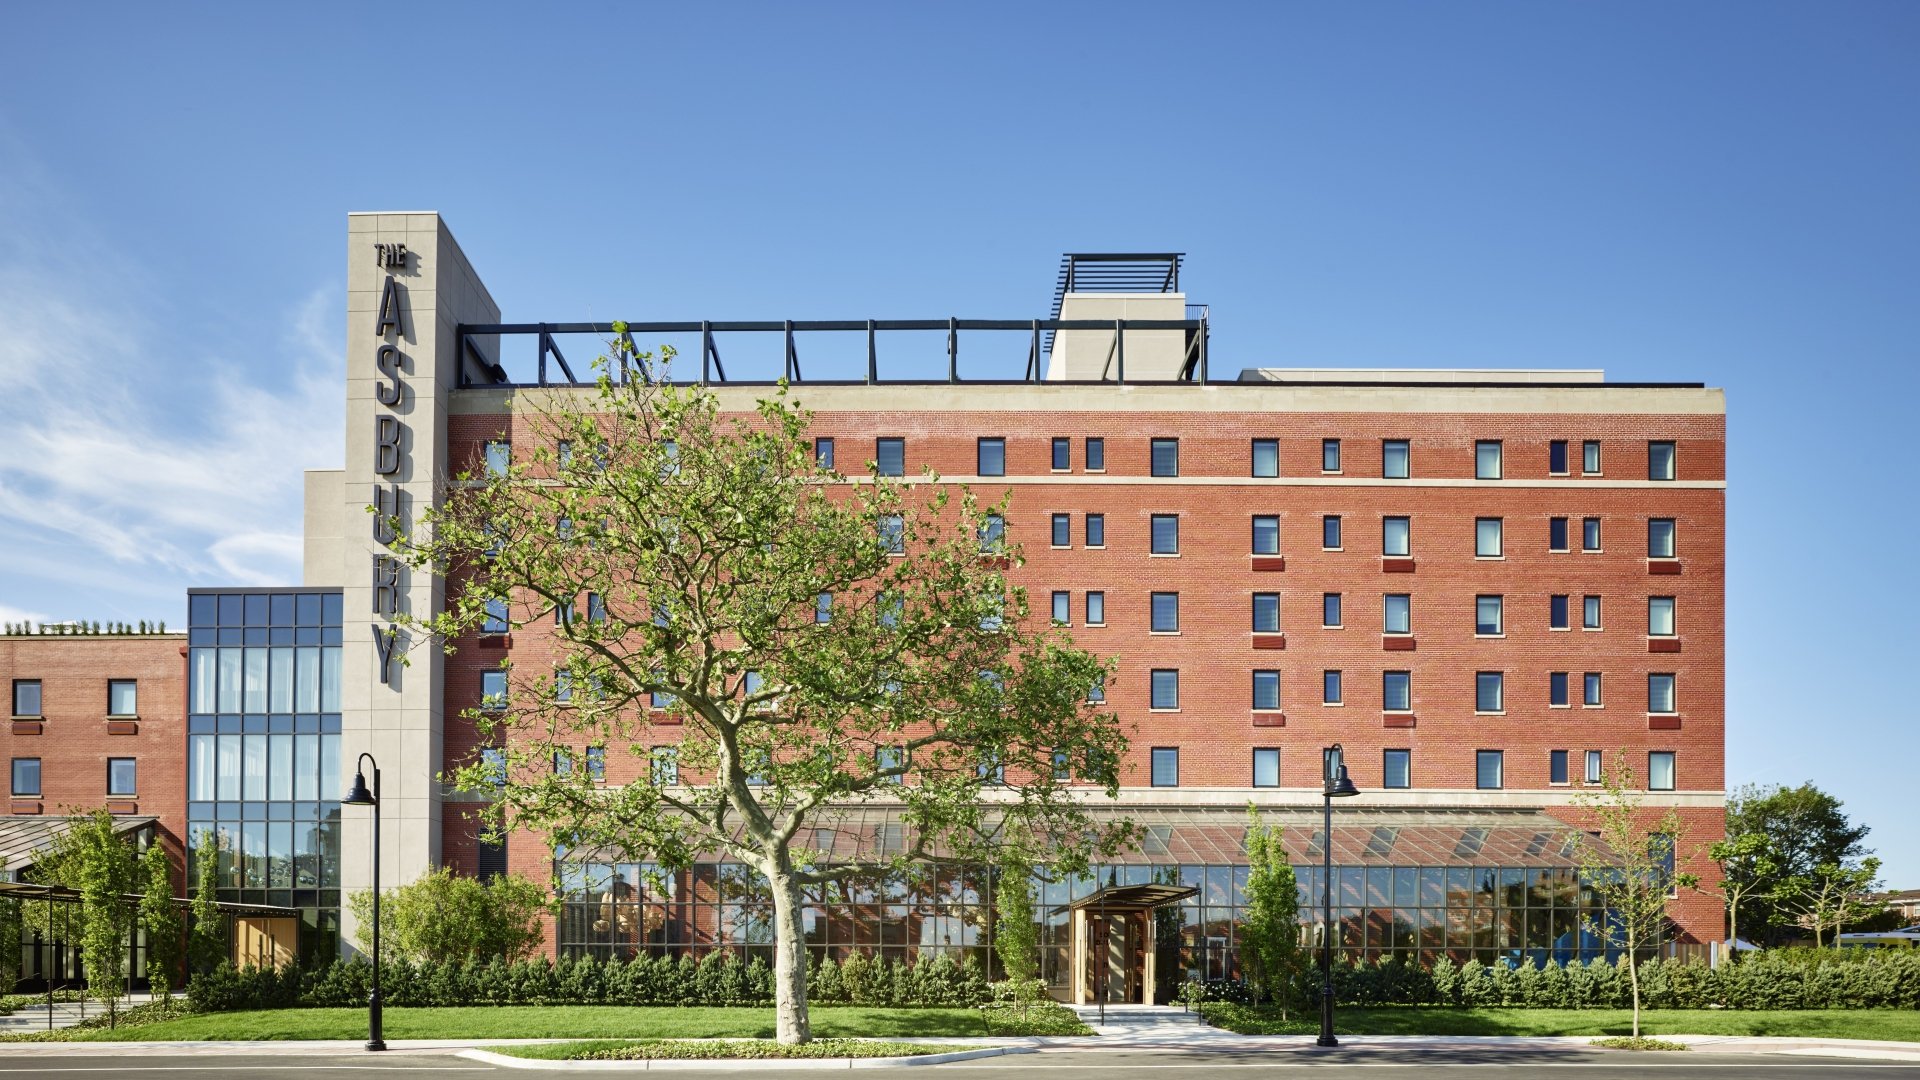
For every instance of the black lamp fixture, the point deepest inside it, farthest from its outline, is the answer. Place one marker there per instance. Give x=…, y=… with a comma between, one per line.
x=360, y=795
x=1335, y=784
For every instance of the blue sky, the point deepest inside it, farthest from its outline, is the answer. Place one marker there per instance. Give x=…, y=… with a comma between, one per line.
x=1721, y=192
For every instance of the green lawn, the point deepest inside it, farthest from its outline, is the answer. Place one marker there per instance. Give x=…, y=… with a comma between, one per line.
x=1893, y=1024
x=626, y=1050
x=550, y=1022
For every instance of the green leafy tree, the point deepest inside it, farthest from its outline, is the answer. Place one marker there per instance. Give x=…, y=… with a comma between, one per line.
x=94, y=860
x=1834, y=896
x=1808, y=829
x=1016, y=939
x=207, y=934
x=160, y=918
x=1627, y=866
x=442, y=917
x=821, y=642
x=1270, y=935
x=1749, y=869
x=12, y=933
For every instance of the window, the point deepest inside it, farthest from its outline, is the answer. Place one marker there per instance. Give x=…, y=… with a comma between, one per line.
x=1486, y=460
x=122, y=776
x=1590, y=613
x=1556, y=766
x=1659, y=538
x=1590, y=689
x=1096, y=530
x=1062, y=765
x=1166, y=534
x=1396, y=536
x=1266, y=766
x=1487, y=538
x=1166, y=457
x=1660, y=616
x=1593, y=770
x=563, y=449
x=890, y=457
x=1395, y=459
x=893, y=533
x=996, y=613
x=493, y=690
x=1096, y=455
x=26, y=697
x=991, y=457
x=669, y=458
x=1489, y=692
x=1486, y=769
x=26, y=776
x=1096, y=609
x=659, y=699
x=1396, y=768
x=1266, y=613
x=495, y=620
x=1330, y=689
x=1166, y=766
x=1165, y=613
x=1396, y=613
x=499, y=455
x=1557, y=534
x=1062, y=530
x=122, y=697
x=1487, y=615
x=1557, y=689
x=823, y=608
x=991, y=769
x=663, y=766
x=1165, y=688
x=823, y=453
x=596, y=608
x=1266, y=534
x=1557, y=611
x=1590, y=457
x=493, y=762
x=993, y=534
x=1266, y=457
x=1660, y=770
x=1330, y=609
x=1557, y=457
x=1660, y=693
x=1097, y=693
x=597, y=762
x=1062, y=608
x=1396, y=691
x=1590, y=534
x=1329, y=455
x=1266, y=690
x=563, y=685
x=1062, y=459
x=1330, y=532
x=1660, y=461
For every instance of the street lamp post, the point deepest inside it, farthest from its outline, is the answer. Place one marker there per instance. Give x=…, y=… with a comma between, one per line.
x=358, y=795
x=1334, y=785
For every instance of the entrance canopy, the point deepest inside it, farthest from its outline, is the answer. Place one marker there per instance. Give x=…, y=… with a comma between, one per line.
x=1118, y=899
x=24, y=840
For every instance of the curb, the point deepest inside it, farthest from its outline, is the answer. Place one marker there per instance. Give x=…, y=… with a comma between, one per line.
x=728, y=1064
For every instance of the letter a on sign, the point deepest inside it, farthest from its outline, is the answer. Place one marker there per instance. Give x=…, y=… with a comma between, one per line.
x=389, y=315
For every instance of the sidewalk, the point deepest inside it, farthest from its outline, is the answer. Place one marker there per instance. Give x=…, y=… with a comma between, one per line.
x=65, y=1014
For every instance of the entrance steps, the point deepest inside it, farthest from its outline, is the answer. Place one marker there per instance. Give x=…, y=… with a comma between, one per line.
x=1139, y=1021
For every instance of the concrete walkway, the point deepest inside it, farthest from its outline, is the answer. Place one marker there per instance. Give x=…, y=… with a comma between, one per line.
x=65, y=1014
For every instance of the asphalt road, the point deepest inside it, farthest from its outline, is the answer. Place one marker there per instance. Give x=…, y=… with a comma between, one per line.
x=1107, y=1065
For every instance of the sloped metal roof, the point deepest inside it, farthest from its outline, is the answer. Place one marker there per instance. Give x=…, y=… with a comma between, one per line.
x=24, y=838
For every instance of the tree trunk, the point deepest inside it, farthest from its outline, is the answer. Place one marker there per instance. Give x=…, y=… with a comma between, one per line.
x=789, y=963
x=1633, y=979
x=1733, y=926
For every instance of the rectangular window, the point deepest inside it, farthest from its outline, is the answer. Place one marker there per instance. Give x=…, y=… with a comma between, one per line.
x=890, y=456
x=1096, y=530
x=823, y=453
x=495, y=620
x=1486, y=769
x=1330, y=609
x=1062, y=607
x=1557, y=688
x=1487, y=612
x=1557, y=612
x=1590, y=612
x=1590, y=689
x=1266, y=457
x=1062, y=459
x=1489, y=692
x=1165, y=688
x=1266, y=534
x=663, y=766
x=26, y=776
x=493, y=689
x=1166, y=534
x=563, y=763
x=1660, y=770
x=991, y=457
x=596, y=608
x=893, y=533
x=1660, y=616
x=1062, y=530
x=1395, y=459
x=1097, y=693
x=499, y=456
x=1166, y=766
x=1660, y=693
x=887, y=759
x=1594, y=767
x=26, y=697
x=1396, y=691
x=1096, y=609
x=1556, y=766
x=1659, y=538
x=1396, y=768
x=123, y=697
x=1660, y=461
x=1557, y=457
x=1488, y=539
x=1557, y=534
x=1486, y=460
x=1266, y=613
x=1330, y=688
x=1166, y=457
x=1266, y=766
x=1062, y=765
x=1329, y=455
x=1096, y=455
x=563, y=449
x=1590, y=457
x=993, y=534
x=823, y=608
x=1590, y=534
x=597, y=762
x=1330, y=532
x=1266, y=690
x=1396, y=613
x=563, y=685
x=1396, y=536
x=1165, y=616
